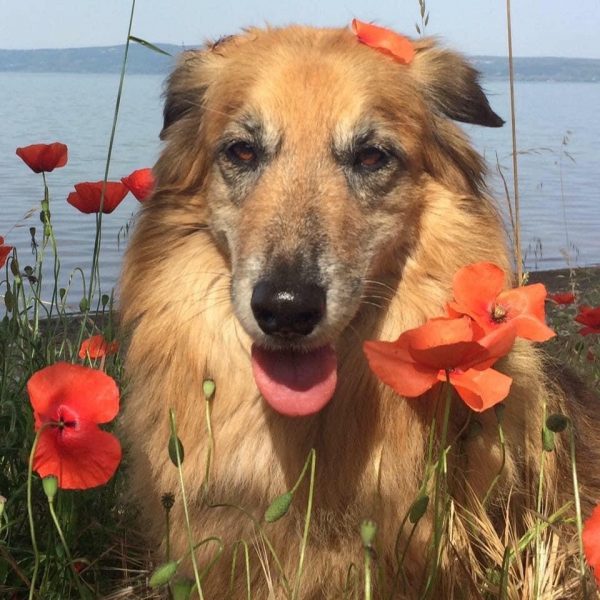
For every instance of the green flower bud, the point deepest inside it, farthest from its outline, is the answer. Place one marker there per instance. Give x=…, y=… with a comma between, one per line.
x=175, y=445
x=84, y=305
x=50, y=485
x=2, y=503
x=547, y=440
x=418, y=508
x=182, y=589
x=368, y=529
x=9, y=300
x=279, y=507
x=163, y=574
x=557, y=422
x=208, y=387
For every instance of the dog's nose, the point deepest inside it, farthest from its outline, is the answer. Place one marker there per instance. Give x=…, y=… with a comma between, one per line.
x=288, y=311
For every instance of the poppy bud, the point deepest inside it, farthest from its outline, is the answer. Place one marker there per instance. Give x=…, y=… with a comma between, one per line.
x=2, y=503
x=547, y=439
x=168, y=500
x=368, y=529
x=50, y=485
x=279, y=507
x=84, y=305
x=105, y=300
x=208, y=387
x=9, y=300
x=182, y=589
x=163, y=574
x=14, y=267
x=175, y=447
x=557, y=423
x=418, y=508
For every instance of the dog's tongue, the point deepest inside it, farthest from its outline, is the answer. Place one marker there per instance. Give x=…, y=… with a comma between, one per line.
x=294, y=383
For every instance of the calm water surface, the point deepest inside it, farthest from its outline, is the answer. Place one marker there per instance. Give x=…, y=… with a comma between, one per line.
x=558, y=134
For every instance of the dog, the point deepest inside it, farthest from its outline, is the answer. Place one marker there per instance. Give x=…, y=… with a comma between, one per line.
x=313, y=193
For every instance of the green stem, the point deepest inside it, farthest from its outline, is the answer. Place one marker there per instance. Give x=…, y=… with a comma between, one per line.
x=313, y=460
x=500, y=470
x=185, y=506
x=440, y=487
x=36, y=552
x=582, y=569
x=368, y=584
x=98, y=239
x=82, y=592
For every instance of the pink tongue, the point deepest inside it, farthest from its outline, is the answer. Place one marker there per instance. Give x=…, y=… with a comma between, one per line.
x=294, y=383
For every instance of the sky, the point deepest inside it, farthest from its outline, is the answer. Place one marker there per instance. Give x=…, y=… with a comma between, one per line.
x=540, y=27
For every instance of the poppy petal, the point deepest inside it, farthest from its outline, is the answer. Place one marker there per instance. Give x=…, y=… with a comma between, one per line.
x=441, y=343
x=530, y=328
x=4, y=252
x=97, y=347
x=591, y=542
x=527, y=299
x=140, y=183
x=385, y=40
x=90, y=394
x=562, y=297
x=475, y=289
x=390, y=364
x=88, y=195
x=80, y=459
x=481, y=390
x=44, y=157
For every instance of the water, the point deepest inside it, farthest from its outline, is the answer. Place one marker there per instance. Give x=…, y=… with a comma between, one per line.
x=559, y=178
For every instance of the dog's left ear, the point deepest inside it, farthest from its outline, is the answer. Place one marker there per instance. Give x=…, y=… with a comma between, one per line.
x=451, y=85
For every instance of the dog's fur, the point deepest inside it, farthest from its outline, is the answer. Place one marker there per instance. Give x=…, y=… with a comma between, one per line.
x=385, y=244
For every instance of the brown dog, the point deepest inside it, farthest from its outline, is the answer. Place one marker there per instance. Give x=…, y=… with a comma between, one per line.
x=312, y=193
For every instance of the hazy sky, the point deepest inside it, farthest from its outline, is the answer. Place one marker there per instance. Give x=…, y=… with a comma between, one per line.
x=540, y=27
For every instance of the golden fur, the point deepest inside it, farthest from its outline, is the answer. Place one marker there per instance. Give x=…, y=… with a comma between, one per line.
x=187, y=255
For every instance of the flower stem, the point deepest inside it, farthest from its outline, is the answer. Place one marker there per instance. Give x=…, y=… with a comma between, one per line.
x=440, y=488
x=82, y=592
x=185, y=507
x=582, y=569
x=36, y=552
x=313, y=459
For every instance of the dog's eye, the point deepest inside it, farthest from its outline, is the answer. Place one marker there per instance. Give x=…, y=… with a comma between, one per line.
x=242, y=153
x=370, y=159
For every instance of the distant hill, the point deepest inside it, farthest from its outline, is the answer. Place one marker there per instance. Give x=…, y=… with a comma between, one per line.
x=107, y=59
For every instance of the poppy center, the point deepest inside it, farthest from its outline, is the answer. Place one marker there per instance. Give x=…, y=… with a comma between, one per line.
x=499, y=313
x=65, y=418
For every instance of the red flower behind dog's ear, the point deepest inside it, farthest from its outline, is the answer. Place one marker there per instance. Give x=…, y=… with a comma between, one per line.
x=591, y=542
x=420, y=358
x=384, y=40
x=4, y=252
x=590, y=317
x=44, y=157
x=97, y=347
x=69, y=401
x=87, y=195
x=140, y=183
x=562, y=298
x=478, y=293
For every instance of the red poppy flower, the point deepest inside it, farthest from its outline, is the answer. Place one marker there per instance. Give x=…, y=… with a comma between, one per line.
x=97, y=347
x=420, y=358
x=87, y=196
x=44, y=157
x=562, y=297
x=384, y=40
x=590, y=317
x=71, y=401
x=591, y=542
x=478, y=294
x=4, y=252
x=140, y=183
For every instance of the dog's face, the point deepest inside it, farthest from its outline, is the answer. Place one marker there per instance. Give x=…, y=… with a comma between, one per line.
x=307, y=152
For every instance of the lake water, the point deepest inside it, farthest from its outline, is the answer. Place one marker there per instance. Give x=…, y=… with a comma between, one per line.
x=558, y=133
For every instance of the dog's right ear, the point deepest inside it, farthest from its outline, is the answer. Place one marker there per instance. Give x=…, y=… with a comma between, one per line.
x=451, y=85
x=185, y=89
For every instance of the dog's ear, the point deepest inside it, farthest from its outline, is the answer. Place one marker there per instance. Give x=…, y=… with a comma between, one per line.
x=185, y=88
x=451, y=85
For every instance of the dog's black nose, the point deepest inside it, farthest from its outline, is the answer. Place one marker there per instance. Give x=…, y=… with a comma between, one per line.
x=287, y=311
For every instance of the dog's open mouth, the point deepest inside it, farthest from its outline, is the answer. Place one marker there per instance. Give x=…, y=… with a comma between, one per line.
x=295, y=383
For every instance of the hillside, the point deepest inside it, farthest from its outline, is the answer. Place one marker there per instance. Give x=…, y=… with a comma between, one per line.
x=108, y=59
